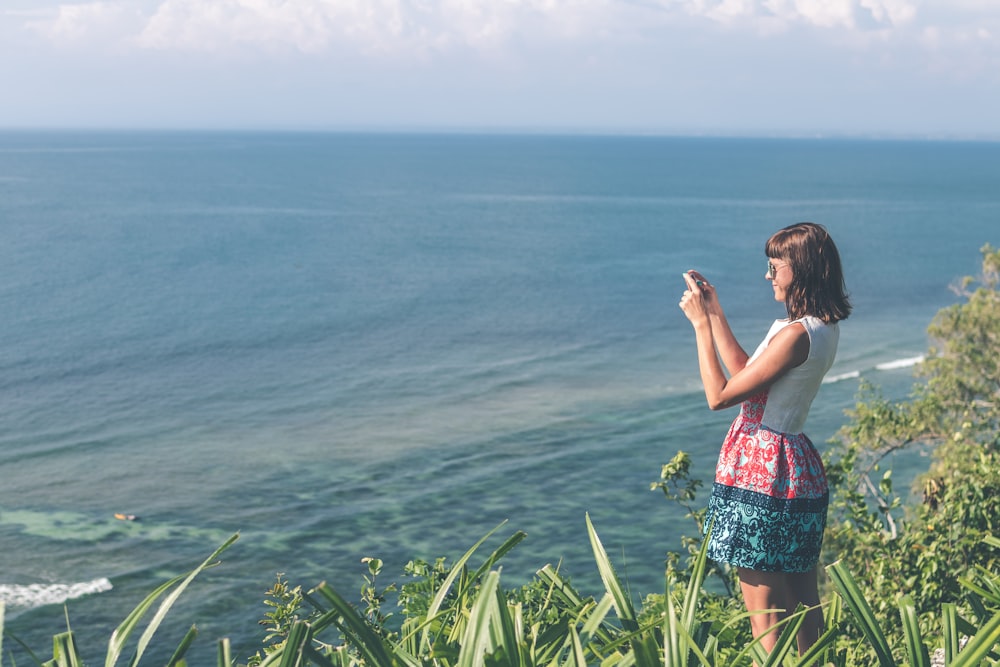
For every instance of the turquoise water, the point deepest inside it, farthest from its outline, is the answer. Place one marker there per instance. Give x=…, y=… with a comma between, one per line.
x=384, y=345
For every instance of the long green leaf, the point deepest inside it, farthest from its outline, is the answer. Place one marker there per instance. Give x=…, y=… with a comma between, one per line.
x=815, y=654
x=678, y=641
x=64, y=653
x=673, y=645
x=168, y=602
x=446, y=585
x=986, y=587
x=911, y=632
x=694, y=588
x=499, y=553
x=626, y=612
x=299, y=636
x=595, y=619
x=862, y=612
x=567, y=597
x=787, y=639
x=981, y=645
x=787, y=626
x=576, y=657
x=509, y=638
x=355, y=628
x=478, y=640
x=952, y=638
x=178, y=657
x=224, y=657
x=121, y=634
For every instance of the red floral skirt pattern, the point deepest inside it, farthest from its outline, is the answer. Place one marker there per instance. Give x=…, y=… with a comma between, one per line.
x=769, y=503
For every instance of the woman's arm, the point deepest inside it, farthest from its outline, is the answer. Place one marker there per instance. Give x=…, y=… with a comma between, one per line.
x=734, y=357
x=788, y=349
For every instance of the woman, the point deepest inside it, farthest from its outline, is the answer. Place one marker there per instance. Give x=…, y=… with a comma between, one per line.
x=768, y=507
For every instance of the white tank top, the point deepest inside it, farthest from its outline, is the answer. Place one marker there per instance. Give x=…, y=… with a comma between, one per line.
x=789, y=399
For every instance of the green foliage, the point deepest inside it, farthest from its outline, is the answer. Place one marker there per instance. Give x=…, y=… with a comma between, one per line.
x=679, y=487
x=285, y=603
x=928, y=547
x=458, y=616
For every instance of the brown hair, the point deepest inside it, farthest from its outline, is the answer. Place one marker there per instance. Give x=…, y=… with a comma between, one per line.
x=817, y=286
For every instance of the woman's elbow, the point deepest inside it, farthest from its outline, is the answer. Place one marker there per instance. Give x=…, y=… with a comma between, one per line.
x=718, y=403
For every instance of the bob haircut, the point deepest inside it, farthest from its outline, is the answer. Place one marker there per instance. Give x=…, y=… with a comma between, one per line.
x=817, y=286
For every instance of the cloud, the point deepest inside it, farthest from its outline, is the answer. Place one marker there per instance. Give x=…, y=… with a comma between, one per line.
x=427, y=28
x=777, y=15
x=82, y=24
x=370, y=26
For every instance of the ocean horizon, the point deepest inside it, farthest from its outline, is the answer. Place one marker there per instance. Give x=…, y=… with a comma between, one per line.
x=353, y=345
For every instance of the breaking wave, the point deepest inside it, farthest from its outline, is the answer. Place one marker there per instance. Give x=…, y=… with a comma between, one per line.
x=906, y=362
x=38, y=595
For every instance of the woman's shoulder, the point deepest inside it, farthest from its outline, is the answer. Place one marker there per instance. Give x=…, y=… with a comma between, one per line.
x=814, y=323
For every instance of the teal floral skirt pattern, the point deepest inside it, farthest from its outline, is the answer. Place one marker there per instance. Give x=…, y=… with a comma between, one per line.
x=769, y=502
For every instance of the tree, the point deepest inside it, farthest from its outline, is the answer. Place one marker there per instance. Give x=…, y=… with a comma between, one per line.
x=926, y=549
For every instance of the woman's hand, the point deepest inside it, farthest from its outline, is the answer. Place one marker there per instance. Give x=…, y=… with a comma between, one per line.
x=697, y=300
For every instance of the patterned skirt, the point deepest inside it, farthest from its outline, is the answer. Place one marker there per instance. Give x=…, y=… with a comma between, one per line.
x=768, y=506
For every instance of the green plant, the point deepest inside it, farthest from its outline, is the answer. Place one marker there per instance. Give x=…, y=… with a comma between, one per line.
x=65, y=653
x=927, y=547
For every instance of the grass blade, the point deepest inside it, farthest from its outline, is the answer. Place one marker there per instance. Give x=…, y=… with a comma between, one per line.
x=299, y=636
x=979, y=646
x=787, y=640
x=456, y=570
x=357, y=632
x=224, y=655
x=478, y=640
x=116, y=644
x=862, y=612
x=911, y=633
x=626, y=612
x=119, y=637
x=177, y=658
x=168, y=602
x=815, y=654
x=694, y=587
x=576, y=658
x=64, y=652
x=952, y=638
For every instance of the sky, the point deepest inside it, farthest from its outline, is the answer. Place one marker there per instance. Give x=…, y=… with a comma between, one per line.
x=884, y=68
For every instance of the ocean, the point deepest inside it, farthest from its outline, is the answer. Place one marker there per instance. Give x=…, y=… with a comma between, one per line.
x=352, y=345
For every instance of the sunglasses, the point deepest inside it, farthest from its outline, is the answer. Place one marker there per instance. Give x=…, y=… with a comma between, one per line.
x=772, y=270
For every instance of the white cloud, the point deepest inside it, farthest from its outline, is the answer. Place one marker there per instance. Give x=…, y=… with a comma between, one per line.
x=619, y=62
x=83, y=23
x=769, y=14
x=372, y=26
x=218, y=24
x=423, y=28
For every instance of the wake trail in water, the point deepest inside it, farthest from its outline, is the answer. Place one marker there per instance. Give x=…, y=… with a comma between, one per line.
x=38, y=595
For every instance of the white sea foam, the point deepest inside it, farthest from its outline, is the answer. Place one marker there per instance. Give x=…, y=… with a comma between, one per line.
x=900, y=363
x=37, y=595
x=896, y=364
x=841, y=376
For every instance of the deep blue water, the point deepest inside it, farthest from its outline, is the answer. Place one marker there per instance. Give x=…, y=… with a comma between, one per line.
x=384, y=345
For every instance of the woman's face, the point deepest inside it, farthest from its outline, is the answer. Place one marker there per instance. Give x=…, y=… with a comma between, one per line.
x=779, y=272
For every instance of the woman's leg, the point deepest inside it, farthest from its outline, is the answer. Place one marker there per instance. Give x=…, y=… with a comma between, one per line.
x=803, y=588
x=765, y=597
x=775, y=595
